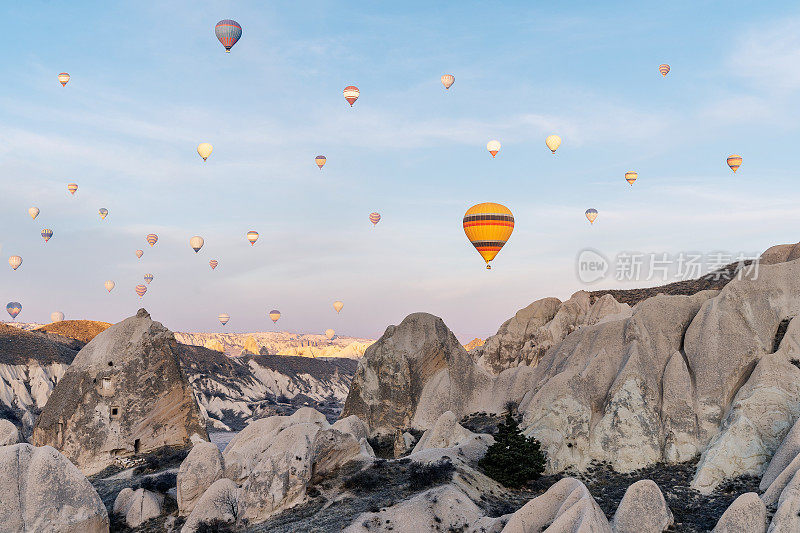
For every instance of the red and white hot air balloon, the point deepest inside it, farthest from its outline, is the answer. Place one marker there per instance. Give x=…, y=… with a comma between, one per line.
x=351, y=94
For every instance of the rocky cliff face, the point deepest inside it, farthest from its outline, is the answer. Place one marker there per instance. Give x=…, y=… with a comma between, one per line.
x=278, y=343
x=123, y=395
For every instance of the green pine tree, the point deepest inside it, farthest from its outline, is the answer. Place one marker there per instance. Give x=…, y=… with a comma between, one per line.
x=513, y=459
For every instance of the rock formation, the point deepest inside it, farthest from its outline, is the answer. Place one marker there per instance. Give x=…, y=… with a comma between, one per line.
x=642, y=510
x=278, y=343
x=251, y=347
x=201, y=468
x=123, y=395
x=9, y=434
x=220, y=502
x=40, y=490
x=138, y=506
x=746, y=513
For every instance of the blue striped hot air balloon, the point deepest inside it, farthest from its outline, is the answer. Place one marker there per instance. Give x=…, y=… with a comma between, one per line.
x=228, y=32
x=14, y=308
x=46, y=234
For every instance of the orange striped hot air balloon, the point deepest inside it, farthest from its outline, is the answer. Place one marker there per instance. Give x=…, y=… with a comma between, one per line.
x=631, y=176
x=63, y=78
x=274, y=315
x=72, y=187
x=374, y=217
x=252, y=236
x=351, y=94
x=488, y=227
x=734, y=161
x=139, y=253
x=663, y=69
x=140, y=290
x=151, y=239
x=213, y=264
x=448, y=80
x=591, y=215
x=320, y=160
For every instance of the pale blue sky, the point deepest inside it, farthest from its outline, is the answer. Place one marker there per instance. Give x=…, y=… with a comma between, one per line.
x=150, y=82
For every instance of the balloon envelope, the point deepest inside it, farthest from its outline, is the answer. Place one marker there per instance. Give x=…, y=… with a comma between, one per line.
x=213, y=264
x=488, y=227
x=252, y=236
x=553, y=142
x=448, y=80
x=148, y=278
x=320, y=160
x=140, y=290
x=196, y=243
x=13, y=309
x=734, y=161
x=351, y=94
x=204, y=149
x=139, y=253
x=223, y=318
x=374, y=217
x=103, y=213
x=493, y=147
x=110, y=285
x=631, y=176
x=338, y=305
x=151, y=239
x=72, y=187
x=63, y=78
x=329, y=333
x=274, y=315
x=228, y=32
x=46, y=234
x=591, y=215
x=14, y=262
x=56, y=316
x=663, y=69
x=33, y=212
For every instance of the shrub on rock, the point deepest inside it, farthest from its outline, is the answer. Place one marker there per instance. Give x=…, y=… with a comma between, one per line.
x=513, y=459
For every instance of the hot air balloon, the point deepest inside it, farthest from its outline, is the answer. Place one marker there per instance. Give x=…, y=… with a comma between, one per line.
x=663, y=69
x=14, y=308
x=591, y=215
x=374, y=217
x=338, y=305
x=228, y=32
x=151, y=239
x=329, y=333
x=72, y=187
x=110, y=285
x=103, y=213
x=14, y=262
x=46, y=234
x=63, y=78
x=140, y=290
x=631, y=176
x=204, y=149
x=33, y=212
x=448, y=80
x=56, y=316
x=223, y=318
x=148, y=278
x=196, y=243
x=734, y=161
x=139, y=253
x=553, y=142
x=488, y=227
x=493, y=147
x=252, y=236
x=274, y=315
x=320, y=160
x=213, y=264
x=351, y=94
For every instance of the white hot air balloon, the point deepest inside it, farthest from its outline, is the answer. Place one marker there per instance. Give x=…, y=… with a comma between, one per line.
x=493, y=147
x=56, y=316
x=14, y=262
x=196, y=243
x=33, y=212
x=110, y=285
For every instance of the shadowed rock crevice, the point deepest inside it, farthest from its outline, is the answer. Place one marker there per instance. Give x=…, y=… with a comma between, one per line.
x=779, y=334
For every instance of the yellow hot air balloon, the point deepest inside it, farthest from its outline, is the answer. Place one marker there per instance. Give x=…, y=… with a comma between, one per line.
x=204, y=149
x=493, y=147
x=631, y=176
x=734, y=161
x=338, y=305
x=553, y=142
x=329, y=333
x=33, y=212
x=448, y=80
x=252, y=236
x=488, y=227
